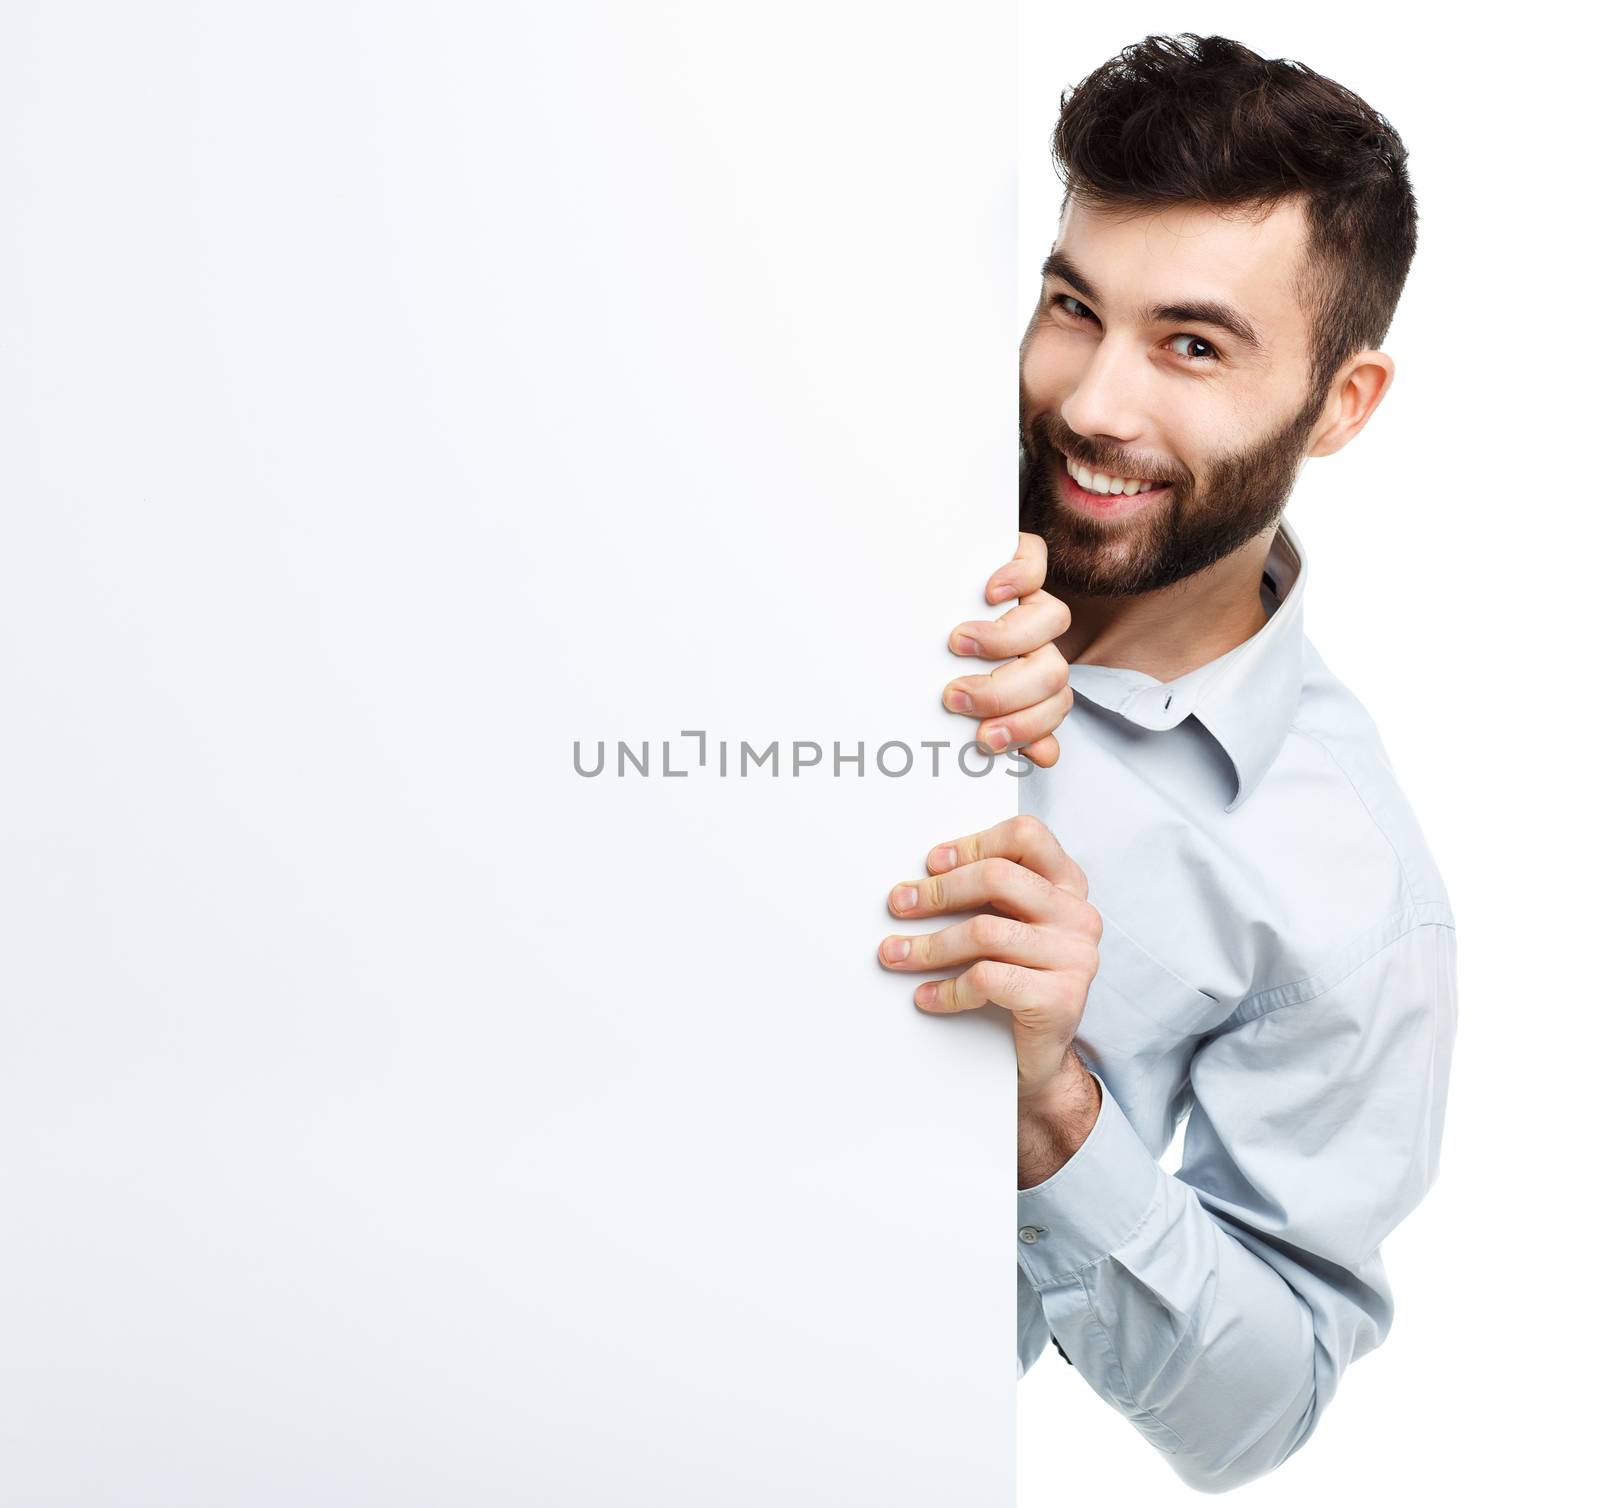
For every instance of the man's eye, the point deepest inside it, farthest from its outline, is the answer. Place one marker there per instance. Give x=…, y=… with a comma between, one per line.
x=1199, y=350
x=1071, y=305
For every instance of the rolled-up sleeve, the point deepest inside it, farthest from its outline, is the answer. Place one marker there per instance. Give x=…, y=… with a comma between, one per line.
x=1217, y=1308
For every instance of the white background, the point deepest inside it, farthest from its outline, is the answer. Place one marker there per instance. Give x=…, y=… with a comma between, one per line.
x=1450, y=548
x=393, y=395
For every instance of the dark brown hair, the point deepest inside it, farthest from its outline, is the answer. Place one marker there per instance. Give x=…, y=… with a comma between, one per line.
x=1187, y=119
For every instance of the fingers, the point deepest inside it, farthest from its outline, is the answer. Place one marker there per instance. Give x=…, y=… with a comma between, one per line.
x=1019, y=703
x=1001, y=883
x=1020, y=683
x=1023, y=573
x=1037, y=620
x=1001, y=939
x=1024, y=727
x=1020, y=990
x=1023, y=838
x=1028, y=699
x=1044, y=752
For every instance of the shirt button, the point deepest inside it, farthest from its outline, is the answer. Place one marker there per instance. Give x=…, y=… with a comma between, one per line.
x=1031, y=1233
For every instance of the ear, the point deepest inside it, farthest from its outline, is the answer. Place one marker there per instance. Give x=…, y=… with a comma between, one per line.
x=1354, y=394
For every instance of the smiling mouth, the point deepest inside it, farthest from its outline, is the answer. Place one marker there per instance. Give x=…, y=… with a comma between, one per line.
x=1103, y=484
x=1088, y=501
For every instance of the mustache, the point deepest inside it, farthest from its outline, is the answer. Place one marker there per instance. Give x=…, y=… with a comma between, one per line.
x=1050, y=433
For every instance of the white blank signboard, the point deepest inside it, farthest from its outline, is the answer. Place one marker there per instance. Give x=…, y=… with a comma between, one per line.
x=403, y=406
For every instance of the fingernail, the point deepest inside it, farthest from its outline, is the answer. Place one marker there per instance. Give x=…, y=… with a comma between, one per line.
x=966, y=645
x=997, y=740
x=904, y=897
x=896, y=949
x=959, y=701
x=1004, y=589
x=942, y=857
x=925, y=994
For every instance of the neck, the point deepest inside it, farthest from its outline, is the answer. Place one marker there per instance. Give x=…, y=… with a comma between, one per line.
x=1179, y=628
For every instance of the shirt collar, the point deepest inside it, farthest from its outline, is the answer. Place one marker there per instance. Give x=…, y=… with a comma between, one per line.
x=1245, y=698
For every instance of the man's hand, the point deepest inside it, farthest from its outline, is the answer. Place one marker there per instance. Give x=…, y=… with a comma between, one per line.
x=1025, y=701
x=1035, y=953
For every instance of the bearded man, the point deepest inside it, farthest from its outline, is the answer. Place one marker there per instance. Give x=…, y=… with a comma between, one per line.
x=1269, y=956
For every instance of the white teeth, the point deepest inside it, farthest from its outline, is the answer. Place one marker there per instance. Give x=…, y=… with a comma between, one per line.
x=1096, y=481
x=1110, y=486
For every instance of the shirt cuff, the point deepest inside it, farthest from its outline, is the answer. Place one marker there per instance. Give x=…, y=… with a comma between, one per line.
x=1092, y=1203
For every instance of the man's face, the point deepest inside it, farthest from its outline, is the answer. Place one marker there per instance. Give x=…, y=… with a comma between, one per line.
x=1130, y=369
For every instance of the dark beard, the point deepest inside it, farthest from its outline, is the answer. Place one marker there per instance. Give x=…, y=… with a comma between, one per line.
x=1186, y=532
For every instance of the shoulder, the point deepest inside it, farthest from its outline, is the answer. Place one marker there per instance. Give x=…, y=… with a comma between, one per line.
x=1333, y=738
x=1339, y=868
x=1343, y=875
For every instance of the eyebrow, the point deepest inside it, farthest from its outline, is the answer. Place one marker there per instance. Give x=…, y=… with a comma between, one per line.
x=1202, y=311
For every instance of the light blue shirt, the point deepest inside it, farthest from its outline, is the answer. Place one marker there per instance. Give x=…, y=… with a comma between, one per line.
x=1278, y=966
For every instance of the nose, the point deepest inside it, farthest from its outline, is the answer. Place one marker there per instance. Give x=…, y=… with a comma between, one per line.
x=1103, y=404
